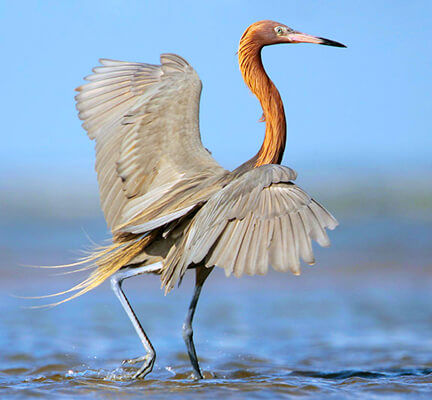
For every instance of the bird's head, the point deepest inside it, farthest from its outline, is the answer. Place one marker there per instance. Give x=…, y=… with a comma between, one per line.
x=266, y=33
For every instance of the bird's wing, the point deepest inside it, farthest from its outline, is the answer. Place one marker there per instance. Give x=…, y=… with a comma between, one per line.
x=257, y=220
x=145, y=120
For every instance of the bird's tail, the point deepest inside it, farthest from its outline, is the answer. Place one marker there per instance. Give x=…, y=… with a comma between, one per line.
x=105, y=261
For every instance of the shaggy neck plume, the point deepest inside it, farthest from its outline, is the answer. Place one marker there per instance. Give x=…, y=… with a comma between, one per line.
x=259, y=83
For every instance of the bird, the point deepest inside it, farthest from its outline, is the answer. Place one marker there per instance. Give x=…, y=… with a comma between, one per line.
x=170, y=206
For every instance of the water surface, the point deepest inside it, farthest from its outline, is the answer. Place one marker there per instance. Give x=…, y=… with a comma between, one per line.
x=358, y=325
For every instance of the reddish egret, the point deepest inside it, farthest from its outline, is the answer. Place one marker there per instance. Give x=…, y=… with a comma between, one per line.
x=170, y=206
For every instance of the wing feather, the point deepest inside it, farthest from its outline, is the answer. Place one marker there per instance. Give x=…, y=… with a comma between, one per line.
x=248, y=225
x=293, y=261
x=261, y=218
x=258, y=249
x=229, y=245
x=306, y=248
x=276, y=255
x=144, y=118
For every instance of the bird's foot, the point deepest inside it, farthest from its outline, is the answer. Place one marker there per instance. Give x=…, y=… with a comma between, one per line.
x=196, y=376
x=134, y=360
x=148, y=362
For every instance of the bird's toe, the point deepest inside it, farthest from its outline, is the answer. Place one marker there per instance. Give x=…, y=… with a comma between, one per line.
x=134, y=360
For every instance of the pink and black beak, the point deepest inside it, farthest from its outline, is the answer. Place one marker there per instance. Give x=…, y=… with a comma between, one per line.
x=298, y=37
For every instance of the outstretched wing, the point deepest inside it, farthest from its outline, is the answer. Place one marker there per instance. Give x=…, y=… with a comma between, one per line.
x=259, y=219
x=145, y=120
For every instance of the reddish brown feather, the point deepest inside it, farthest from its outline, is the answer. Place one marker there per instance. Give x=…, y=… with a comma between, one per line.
x=260, y=84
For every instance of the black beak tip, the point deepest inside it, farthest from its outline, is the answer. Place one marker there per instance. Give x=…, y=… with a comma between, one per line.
x=327, y=42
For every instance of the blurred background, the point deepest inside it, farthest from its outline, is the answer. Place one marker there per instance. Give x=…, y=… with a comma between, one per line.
x=359, y=128
x=359, y=136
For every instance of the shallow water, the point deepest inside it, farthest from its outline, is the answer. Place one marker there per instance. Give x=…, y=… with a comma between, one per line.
x=358, y=326
x=340, y=342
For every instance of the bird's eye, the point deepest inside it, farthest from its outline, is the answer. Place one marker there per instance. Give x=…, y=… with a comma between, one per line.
x=279, y=30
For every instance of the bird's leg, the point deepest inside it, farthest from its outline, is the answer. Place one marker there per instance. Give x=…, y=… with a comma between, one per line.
x=116, y=284
x=201, y=274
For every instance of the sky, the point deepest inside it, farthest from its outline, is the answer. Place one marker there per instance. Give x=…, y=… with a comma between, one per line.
x=365, y=110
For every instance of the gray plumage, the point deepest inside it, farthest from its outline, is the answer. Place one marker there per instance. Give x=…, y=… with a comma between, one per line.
x=169, y=204
x=153, y=172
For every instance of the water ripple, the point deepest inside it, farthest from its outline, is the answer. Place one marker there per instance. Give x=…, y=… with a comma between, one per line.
x=262, y=345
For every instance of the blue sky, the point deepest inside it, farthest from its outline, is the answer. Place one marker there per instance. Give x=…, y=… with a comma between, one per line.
x=363, y=109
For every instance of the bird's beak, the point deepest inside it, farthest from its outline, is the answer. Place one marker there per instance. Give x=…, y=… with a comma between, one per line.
x=298, y=37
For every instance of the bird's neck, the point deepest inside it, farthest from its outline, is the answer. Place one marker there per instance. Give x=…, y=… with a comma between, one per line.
x=260, y=84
